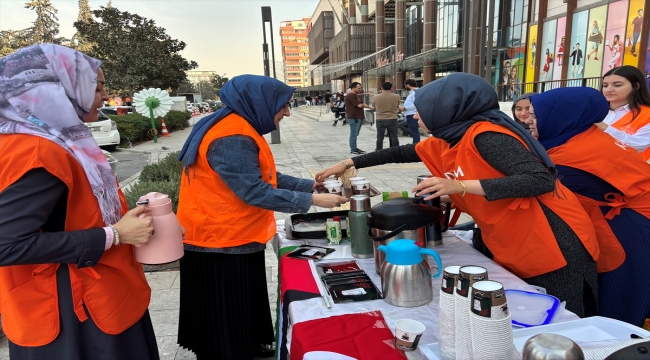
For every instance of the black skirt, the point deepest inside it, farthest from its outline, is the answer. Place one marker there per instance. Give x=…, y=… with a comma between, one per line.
x=224, y=311
x=84, y=340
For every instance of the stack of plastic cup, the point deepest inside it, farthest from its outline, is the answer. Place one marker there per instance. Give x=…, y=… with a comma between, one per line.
x=447, y=314
x=467, y=276
x=490, y=322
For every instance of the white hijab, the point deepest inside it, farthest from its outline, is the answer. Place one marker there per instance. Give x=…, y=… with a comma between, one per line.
x=47, y=90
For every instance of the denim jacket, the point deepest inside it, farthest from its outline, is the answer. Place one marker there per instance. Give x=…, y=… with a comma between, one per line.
x=236, y=160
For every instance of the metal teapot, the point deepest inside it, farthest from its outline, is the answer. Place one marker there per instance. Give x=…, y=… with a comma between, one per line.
x=405, y=276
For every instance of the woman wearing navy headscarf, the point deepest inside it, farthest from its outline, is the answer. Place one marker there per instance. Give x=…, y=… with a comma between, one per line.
x=229, y=191
x=494, y=170
x=612, y=181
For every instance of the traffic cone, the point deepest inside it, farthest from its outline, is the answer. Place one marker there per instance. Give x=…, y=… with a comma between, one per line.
x=164, y=129
x=196, y=112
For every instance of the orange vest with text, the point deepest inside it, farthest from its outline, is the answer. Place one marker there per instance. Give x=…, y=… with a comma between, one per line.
x=631, y=126
x=603, y=156
x=115, y=291
x=515, y=230
x=212, y=214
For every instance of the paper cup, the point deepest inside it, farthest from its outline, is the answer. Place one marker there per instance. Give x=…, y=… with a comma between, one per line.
x=408, y=333
x=449, y=279
x=361, y=187
x=468, y=275
x=489, y=300
x=331, y=181
x=357, y=178
x=334, y=188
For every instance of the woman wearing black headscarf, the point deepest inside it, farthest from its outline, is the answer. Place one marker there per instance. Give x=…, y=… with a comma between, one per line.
x=494, y=170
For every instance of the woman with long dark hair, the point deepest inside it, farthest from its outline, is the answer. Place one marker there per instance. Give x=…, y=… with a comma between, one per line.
x=494, y=170
x=628, y=119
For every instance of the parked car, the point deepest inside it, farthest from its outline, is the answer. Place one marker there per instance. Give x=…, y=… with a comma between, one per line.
x=117, y=110
x=190, y=108
x=105, y=132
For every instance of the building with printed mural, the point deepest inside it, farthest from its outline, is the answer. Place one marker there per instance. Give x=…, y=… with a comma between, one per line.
x=517, y=45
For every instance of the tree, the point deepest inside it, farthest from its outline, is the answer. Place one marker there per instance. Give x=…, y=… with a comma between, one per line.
x=207, y=91
x=85, y=15
x=135, y=52
x=45, y=28
x=186, y=87
x=12, y=40
x=218, y=81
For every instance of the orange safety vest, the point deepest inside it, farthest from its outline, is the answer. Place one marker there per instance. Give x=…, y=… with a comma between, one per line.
x=115, y=291
x=515, y=230
x=631, y=126
x=212, y=214
x=603, y=156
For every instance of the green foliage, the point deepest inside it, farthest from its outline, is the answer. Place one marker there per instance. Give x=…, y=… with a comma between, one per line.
x=170, y=188
x=135, y=127
x=218, y=81
x=163, y=177
x=45, y=29
x=165, y=170
x=136, y=53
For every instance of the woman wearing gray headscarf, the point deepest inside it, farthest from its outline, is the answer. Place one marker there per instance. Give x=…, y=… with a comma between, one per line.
x=495, y=171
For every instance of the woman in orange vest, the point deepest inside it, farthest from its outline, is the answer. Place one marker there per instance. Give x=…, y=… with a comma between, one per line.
x=628, y=119
x=494, y=170
x=229, y=191
x=612, y=182
x=70, y=287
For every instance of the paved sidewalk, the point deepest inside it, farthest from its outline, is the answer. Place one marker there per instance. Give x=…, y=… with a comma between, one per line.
x=307, y=147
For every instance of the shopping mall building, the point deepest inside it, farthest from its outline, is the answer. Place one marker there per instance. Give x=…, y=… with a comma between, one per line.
x=516, y=45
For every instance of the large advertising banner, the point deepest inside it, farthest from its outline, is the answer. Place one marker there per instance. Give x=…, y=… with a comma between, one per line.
x=578, y=42
x=548, y=51
x=633, y=33
x=530, y=58
x=615, y=36
x=559, y=48
x=595, y=41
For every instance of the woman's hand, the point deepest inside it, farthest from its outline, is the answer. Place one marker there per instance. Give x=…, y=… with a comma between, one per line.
x=337, y=170
x=328, y=200
x=602, y=126
x=135, y=227
x=316, y=185
x=437, y=187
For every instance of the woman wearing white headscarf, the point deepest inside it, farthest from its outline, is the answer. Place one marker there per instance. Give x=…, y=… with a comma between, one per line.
x=70, y=287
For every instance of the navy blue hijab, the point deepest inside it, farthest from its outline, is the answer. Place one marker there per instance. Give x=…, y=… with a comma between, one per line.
x=255, y=98
x=451, y=105
x=566, y=112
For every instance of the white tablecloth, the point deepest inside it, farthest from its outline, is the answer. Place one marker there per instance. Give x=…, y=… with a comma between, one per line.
x=452, y=252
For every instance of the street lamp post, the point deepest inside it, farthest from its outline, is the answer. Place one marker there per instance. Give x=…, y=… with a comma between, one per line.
x=267, y=17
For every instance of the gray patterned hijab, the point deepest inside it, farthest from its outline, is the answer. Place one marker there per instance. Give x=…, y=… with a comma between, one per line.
x=47, y=90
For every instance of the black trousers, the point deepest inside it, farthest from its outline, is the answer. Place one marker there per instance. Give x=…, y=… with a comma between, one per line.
x=382, y=126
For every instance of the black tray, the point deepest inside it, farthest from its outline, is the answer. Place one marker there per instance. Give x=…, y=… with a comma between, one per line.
x=314, y=216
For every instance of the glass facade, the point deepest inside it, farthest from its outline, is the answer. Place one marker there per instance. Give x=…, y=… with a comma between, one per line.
x=450, y=24
x=414, y=30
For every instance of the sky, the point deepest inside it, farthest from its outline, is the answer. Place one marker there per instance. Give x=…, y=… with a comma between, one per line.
x=221, y=35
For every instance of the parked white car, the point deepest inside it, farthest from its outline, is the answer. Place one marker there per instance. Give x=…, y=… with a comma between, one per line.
x=105, y=132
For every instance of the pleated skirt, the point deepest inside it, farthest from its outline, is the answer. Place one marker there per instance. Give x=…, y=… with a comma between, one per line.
x=625, y=291
x=224, y=306
x=85, y=341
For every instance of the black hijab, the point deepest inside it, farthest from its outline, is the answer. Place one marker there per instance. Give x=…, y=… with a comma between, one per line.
x=467, y=99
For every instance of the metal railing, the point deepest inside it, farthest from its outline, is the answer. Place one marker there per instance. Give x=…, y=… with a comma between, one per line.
x=509, y=92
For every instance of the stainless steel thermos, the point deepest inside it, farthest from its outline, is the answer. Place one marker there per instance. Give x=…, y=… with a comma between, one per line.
x=360, y=243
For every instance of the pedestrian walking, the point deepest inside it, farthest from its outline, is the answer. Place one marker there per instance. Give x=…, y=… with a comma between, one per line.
x=355, y=115
x=409, y=110
x=327, y=99
x=387, y=105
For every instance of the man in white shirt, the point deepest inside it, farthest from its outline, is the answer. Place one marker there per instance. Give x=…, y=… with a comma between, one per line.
x=409, y=110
